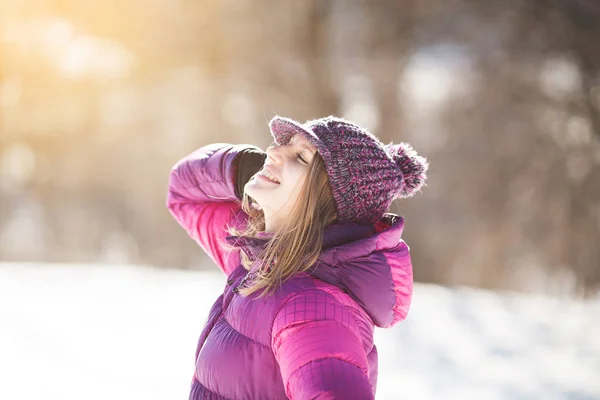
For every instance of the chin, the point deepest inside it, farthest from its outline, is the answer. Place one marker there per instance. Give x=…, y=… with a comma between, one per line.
x=254, y=190
x=252, y=193
x=250, y=190
x=263, y=197
x=257, y=202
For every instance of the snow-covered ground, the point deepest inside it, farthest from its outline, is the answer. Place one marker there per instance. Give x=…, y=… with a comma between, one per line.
x=127, y=332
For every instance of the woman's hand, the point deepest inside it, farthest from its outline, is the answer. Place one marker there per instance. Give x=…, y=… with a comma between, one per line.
x=247, y=163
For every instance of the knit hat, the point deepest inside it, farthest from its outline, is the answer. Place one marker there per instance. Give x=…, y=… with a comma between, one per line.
x=365, y=175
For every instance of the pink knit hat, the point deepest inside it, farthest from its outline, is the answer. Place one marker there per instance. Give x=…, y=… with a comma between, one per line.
x=365, y=175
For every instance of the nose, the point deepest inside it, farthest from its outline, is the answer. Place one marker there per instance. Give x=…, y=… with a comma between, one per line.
x=274, y=153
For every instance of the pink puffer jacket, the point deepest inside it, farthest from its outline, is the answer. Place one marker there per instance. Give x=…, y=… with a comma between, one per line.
x=313, y=338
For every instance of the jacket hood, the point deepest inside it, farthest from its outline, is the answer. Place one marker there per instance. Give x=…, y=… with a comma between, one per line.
x=370, y=262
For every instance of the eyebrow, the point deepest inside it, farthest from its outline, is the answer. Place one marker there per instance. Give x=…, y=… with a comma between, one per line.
x=304, y=146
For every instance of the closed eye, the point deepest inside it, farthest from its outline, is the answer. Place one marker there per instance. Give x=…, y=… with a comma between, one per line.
x=301, y=159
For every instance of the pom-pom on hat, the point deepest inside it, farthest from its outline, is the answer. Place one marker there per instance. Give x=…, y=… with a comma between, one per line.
x=365, y=175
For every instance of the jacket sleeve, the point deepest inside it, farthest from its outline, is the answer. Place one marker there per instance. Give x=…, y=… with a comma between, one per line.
x=319, y=349
x=202, y=198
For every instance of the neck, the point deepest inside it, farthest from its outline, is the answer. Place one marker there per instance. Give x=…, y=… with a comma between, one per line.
x=272, y=224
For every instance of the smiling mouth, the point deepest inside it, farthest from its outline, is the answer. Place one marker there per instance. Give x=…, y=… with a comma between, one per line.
x=268, y=177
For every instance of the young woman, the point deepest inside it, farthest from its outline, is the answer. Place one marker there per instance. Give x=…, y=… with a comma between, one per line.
x=313, y=260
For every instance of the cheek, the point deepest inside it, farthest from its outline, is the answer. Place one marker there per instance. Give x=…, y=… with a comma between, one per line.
x=296, y=176
x=293, y=191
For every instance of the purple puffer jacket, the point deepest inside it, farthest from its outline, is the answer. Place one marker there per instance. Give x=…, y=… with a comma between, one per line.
x=313, y=338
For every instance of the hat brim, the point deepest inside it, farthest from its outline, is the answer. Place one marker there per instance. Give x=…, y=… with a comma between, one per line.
x=282, y=130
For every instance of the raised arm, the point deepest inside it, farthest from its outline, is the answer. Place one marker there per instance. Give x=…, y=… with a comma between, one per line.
x=319, y=349
x=204, y=194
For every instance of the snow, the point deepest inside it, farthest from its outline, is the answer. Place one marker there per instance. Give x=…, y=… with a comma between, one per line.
x=130, y=332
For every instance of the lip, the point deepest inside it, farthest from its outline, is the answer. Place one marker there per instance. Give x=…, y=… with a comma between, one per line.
x=264, y=178
x=269, y=170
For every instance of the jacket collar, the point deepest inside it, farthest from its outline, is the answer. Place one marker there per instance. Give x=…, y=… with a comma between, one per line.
x=371, y=263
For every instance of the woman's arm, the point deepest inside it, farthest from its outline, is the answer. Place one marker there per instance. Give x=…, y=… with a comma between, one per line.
x=319, y=349
x=204, y=194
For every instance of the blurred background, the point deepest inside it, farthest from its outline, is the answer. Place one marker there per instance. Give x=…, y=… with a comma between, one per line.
x=102, y=293
x=98, y=101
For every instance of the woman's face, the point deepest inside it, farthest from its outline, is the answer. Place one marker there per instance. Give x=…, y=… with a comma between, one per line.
x=288, y=164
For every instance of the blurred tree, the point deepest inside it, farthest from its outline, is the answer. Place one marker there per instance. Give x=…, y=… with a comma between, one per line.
x=503, y=97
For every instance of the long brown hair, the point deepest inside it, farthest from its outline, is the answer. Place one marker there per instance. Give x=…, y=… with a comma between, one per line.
x=297, y=243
